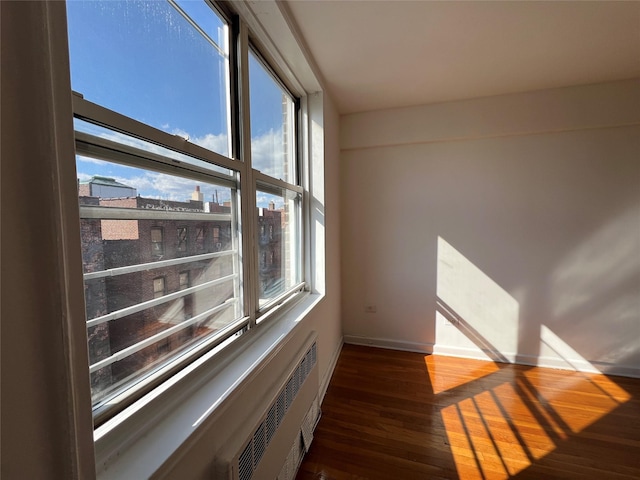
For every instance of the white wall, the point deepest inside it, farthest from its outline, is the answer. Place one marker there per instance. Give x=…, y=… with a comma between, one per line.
x=504, y=227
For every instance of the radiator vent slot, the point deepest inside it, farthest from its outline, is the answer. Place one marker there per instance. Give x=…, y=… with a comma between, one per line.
x=270, y=422
x=258, y=443
x=245, y=463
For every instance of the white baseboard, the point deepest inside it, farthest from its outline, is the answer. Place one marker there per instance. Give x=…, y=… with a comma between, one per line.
x=579, y=365
x=391, y=344
x=324, y=384
x=474, y=354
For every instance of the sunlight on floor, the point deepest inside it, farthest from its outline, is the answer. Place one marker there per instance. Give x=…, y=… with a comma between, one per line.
x=446, y=373
x=499, y=432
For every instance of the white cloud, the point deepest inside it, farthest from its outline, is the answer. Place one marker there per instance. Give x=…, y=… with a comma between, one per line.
x=215, y=143
x=169, y=187
x=267, y=153
x=160, y=185
x=95, y=161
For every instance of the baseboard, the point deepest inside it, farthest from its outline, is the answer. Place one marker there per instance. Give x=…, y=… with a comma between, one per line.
x=324, y=384
x=619, y=370
x=578, y=365
x=474, y=354
x=391, y=344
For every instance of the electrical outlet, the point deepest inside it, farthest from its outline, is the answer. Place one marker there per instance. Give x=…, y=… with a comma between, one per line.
x=370, y=309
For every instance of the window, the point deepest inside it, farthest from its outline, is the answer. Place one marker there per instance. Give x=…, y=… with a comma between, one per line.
x=200, y=232
x=272, y=137
x=278, y=197
x=153, y=113
x=182, y=239
x=282, y=244
x=157, y=241
x=158, y=287
x=184, y=281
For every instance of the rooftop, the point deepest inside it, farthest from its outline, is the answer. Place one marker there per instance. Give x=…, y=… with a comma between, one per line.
x=99, y=180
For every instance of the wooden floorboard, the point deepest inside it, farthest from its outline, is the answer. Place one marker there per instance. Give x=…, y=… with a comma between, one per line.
x=401, y=415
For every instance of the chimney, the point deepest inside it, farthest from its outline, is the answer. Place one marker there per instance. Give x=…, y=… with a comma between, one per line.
x=272, y=205
x=197, y=195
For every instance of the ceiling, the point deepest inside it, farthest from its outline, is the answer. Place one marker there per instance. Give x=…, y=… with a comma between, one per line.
x=383, y=54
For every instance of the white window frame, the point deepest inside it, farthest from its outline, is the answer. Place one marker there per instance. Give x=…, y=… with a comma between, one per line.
x=250, y=181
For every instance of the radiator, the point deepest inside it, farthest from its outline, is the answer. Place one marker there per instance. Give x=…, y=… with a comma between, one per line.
x=284, y=431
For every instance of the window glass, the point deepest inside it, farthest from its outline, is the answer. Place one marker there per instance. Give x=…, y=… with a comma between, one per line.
x=148, y=60
x=272, y=124
x=148, y=299
x=279, y=250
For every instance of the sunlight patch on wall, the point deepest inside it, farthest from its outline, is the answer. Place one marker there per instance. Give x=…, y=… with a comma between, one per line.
x=552, y=346
x=474, y=313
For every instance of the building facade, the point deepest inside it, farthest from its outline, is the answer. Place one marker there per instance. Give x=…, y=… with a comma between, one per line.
x=147, y=272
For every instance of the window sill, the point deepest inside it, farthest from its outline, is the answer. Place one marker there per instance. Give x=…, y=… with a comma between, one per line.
x=136, y=442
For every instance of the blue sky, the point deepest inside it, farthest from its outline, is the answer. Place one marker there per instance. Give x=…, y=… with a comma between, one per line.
x=144, y=60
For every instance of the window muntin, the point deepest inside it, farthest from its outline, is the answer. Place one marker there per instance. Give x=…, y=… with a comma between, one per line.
x=165, y=64
x=158, y=152
x=278, y=251
x=272, y=124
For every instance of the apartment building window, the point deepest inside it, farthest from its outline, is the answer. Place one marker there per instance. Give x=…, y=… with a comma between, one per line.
x=216, y=238
x=157, y=109
x=200, y=238
x=157, y=242
x=184, y=282
x=159, y=288
x=182, y=239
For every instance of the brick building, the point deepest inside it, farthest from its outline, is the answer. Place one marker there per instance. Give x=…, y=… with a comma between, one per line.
x=137, y=233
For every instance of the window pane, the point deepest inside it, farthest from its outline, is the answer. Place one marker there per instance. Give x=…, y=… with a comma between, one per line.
x=147, y=60
x=156, y=283
x=278, y=243
x=272, y=124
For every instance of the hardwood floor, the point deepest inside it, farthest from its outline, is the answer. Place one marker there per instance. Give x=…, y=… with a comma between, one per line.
x=400, y=415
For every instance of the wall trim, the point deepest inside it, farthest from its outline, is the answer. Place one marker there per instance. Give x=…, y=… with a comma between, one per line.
x=577, y=365
x=475, y=354
x=571, y=108
x=389, y=343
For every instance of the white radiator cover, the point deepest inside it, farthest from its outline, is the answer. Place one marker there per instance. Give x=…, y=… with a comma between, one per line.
x=266, y=452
